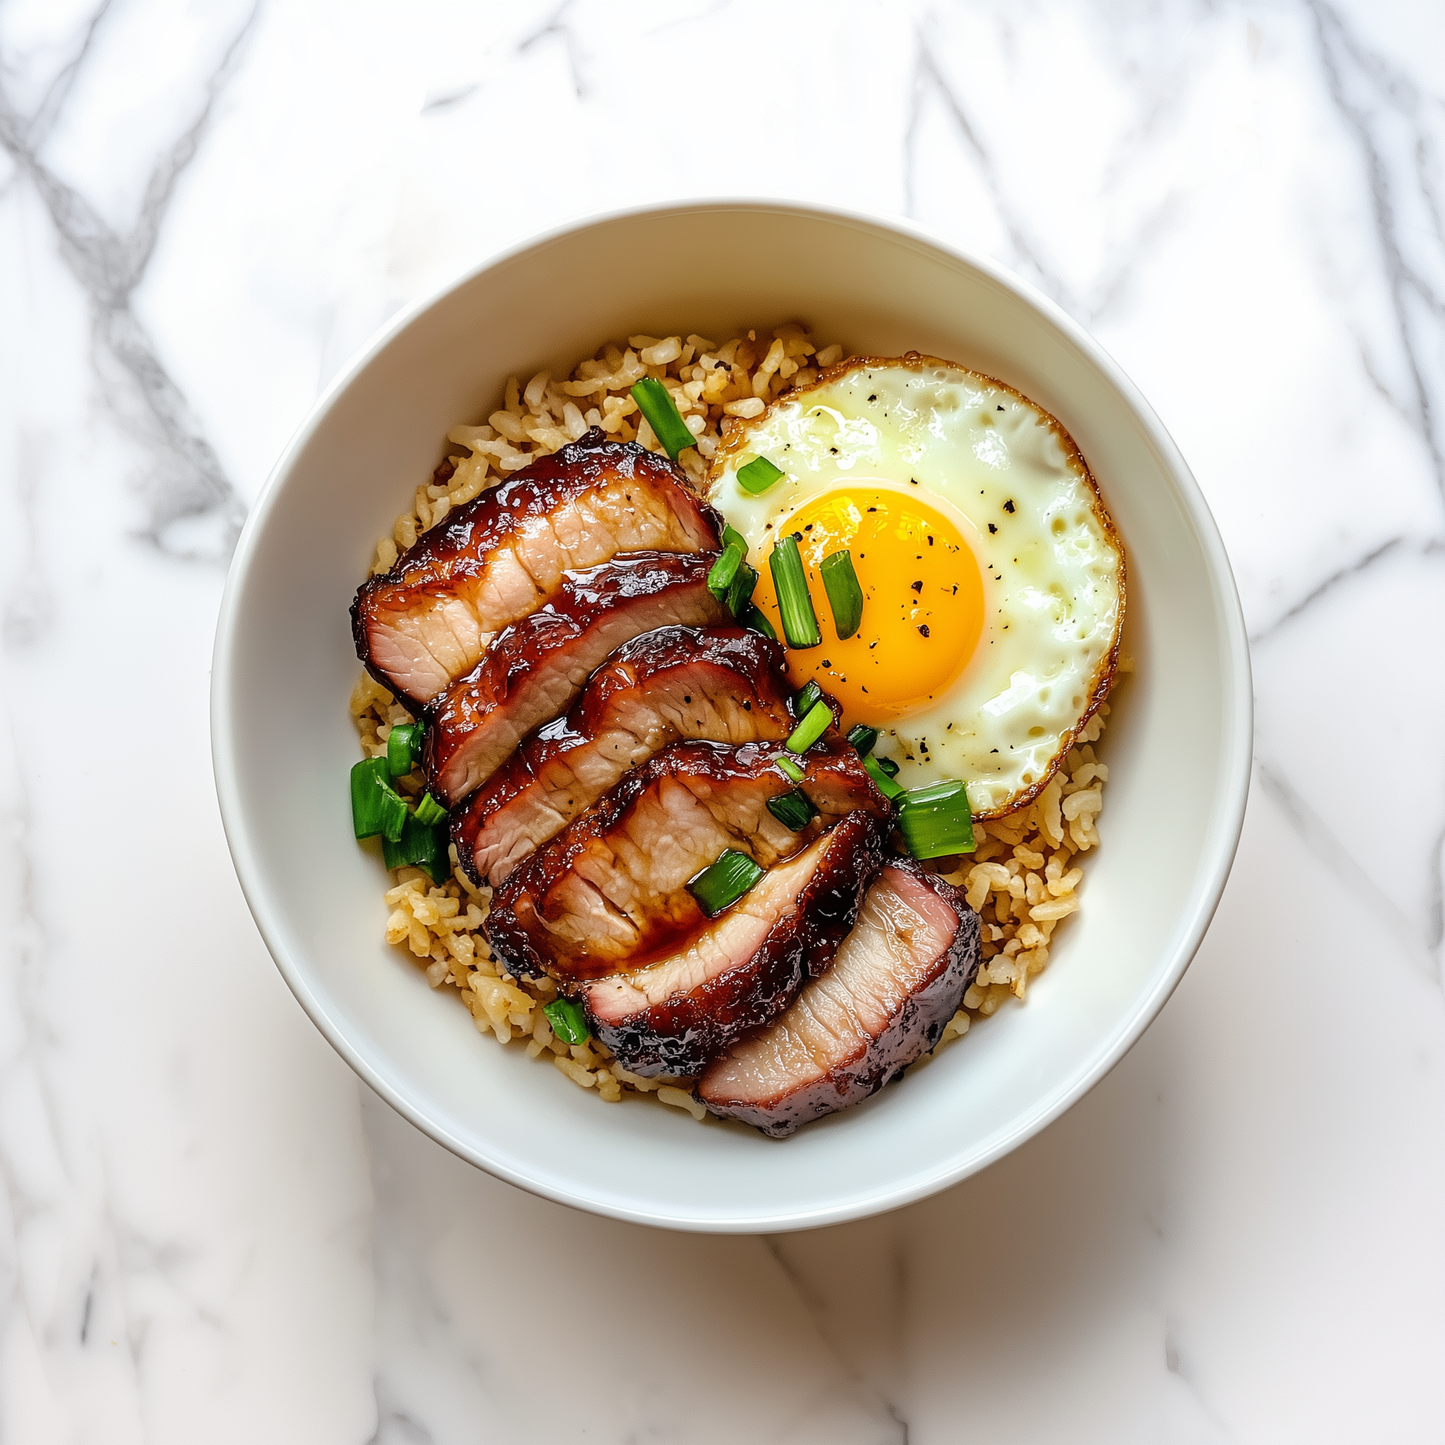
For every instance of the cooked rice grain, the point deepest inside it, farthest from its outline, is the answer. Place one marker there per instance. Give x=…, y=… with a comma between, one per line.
x=1023, y=879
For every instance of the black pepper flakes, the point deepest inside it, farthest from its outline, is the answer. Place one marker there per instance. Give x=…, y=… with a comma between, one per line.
x=1008, y=506
x=916, y=586
x=923, y=629
x=992, y=527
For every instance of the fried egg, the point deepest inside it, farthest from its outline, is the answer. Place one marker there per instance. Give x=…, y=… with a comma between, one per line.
x=992, y=576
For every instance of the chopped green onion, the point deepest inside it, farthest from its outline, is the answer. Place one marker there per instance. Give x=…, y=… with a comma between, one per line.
x=792, y=810
x=395, y=817
x=369, y=786
x=733, y=538
x=421, y=845
x=402, y=748
x=756, y=620
x=795, y=607
x=720, y=575
x=863, y=739
x=376, y=807
x=724, y=882
x=568, y=1021
x=758, y=475
x=888, y=766
x=789, y=769
x=807, y=695
x=740, y=594
x=845, y=596
x=815, y=723
x=873, y=767
x=936, y=821
x=429, y=811
x=655, y=402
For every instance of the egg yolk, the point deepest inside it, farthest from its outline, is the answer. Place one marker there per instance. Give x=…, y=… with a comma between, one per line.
x=922, y=602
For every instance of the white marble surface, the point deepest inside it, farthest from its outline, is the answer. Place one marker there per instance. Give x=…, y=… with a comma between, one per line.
x=210, y=1231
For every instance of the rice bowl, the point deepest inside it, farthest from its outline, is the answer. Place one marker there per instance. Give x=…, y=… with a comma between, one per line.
x=383, y=420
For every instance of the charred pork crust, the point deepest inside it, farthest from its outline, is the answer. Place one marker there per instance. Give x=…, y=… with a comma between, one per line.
x=724, y=685
x=610, y=891
x=535, y=668
x=501, y=555
x=745, y=967
x=895, y=982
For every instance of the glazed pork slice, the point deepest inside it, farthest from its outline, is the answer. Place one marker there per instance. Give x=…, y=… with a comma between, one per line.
x=744, y=967
x=535, y=668
x=501, y=555
x=610, y=891
x=724, y=685
x=896, y=980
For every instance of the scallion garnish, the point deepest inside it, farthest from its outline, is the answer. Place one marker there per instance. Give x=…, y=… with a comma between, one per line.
x=888, y=766
x=936, y=821
x=845, y=596
x=758, y=475
x=376, y=807
x=568, y=1021
x=395, y=817
x=733, y=538
x=886, y=785
x=806, y=696
x=724, y=882
x=655, y=402
x=790, y=581
x=815, y=723
x=789, y=769
x=369, y=785
x=756, y=621
x=792, y=810
x=721, y=573
x=740, y=594
x=429, y=811
x=863, y=739
x=421, y=845
x=402, y=748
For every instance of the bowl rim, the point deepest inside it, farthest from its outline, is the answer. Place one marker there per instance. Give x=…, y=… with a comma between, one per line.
x=1231, y=795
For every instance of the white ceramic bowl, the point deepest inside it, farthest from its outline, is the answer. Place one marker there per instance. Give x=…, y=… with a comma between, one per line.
x=1178, y=742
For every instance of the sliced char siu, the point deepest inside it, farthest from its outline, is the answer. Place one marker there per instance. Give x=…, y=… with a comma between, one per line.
x=743, y=969
x=535, y=668
x=500, y=556
x=725, y=686
x=610, y=891
x=896, y=980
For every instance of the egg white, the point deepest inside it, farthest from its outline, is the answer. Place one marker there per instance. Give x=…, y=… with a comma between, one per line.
x=1053, y=568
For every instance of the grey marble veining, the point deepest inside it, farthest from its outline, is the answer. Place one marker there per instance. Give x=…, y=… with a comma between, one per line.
x=209, y=1231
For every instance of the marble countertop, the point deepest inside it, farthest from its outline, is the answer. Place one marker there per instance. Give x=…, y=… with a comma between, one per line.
x=211, y=1231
